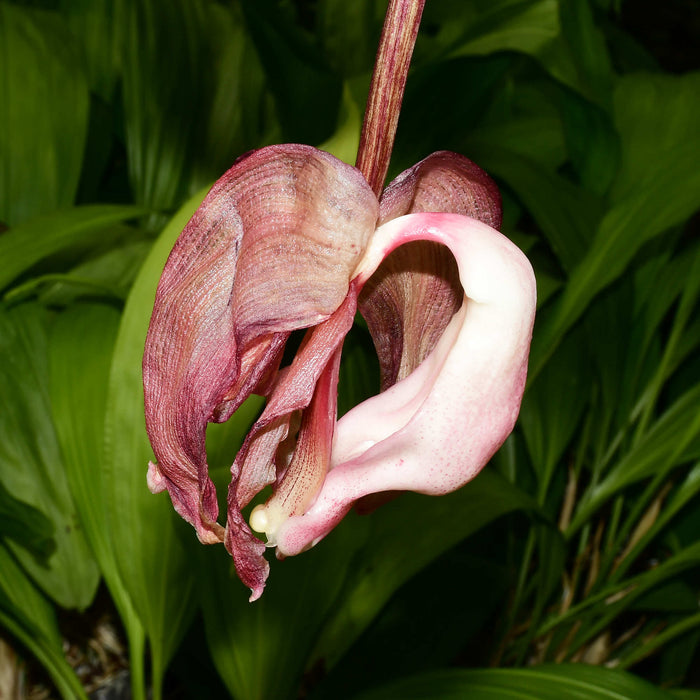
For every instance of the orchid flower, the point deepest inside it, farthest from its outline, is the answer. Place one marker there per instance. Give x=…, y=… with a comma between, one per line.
x=292, y=238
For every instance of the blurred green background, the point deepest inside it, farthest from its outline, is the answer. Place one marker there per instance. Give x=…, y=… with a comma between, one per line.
x=569, y=568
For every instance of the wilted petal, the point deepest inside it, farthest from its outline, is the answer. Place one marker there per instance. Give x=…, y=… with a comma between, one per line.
x=434, y=430
x=410, y=299
x=309, y=383
x=270, y=250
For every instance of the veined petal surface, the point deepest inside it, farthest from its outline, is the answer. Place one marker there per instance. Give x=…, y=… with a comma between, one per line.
x=271, y=249
x=414, y=293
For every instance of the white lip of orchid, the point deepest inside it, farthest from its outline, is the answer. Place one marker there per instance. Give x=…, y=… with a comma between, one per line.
x=433, y=431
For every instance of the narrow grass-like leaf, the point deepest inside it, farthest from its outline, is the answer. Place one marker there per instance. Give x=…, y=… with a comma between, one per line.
x=31, y=464
x=672, y=440
x=43, y=113
x=25, y=245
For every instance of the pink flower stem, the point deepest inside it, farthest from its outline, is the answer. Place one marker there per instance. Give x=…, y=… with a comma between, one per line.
x=386, y=90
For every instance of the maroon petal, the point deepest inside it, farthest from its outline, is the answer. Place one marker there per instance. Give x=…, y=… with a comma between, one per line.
x=271, y=249
x=309, y=383
x=413, y=295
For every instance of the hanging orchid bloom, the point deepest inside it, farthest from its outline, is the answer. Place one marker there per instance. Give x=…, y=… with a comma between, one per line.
x=292, y=238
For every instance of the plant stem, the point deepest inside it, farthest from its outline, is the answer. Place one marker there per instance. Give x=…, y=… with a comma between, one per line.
x=386, y=90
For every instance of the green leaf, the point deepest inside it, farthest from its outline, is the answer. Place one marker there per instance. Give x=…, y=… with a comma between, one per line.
x=194, y=95
x=94, y=24
x=672, y=440
x=659, y=203
x=43, y=114
x=417, y=631
x=655, y=116
x=31, y=464
x=567, y=214
x=405, y=536
x=31, y=619
x=307, y=94
x=80, y=353
x=349, y=33
x=148, y=538
x=552, y=409
x=538, y=683
x=26, y=525
x=27, y=244
x=250, y=642
x=162, y=56
x=509, y=25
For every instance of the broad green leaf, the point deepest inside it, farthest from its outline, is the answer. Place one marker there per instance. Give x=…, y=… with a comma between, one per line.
x=80, y=353
x=31, y=619
x=431, y=99
x=236, y=114
x=538, y=683
x=43, y=114
x=23, y=246
x=306, y=92
x=591, y=139
x=162, y=57
x=423, y=626
x=405, y=536
x=345, y=140
x=194, y=95
x=261, y=649
x=509, y=25
x=655, y=116
x=148, y=538
x=26, y=525
x=588, y=49
x=349, y=33
x=95, y=25
x=31, y=465
x=107, y=275
x=567, y=214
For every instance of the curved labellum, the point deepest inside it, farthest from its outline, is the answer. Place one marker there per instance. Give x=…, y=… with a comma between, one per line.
x=270, y=250
x=434, y=430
